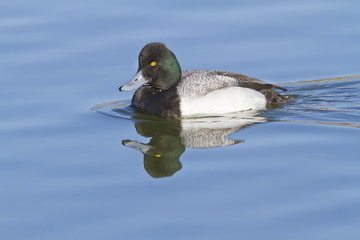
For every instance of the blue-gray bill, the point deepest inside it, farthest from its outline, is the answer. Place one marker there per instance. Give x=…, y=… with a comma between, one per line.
x=137, y=81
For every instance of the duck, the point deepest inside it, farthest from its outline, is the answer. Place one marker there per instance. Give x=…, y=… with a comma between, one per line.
x=164, y=90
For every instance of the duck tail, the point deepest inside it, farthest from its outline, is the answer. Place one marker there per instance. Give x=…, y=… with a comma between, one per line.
x=281, y=88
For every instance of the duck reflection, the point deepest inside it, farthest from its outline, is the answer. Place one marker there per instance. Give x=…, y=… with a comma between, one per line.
x=169, y=138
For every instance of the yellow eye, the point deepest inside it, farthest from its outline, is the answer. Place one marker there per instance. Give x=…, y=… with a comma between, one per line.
x=153, y=64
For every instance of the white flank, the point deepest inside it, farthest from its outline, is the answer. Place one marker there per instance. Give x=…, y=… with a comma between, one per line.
x=228, y=100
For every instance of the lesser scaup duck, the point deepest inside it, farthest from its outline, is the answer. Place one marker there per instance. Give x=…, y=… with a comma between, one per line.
x=171, y=93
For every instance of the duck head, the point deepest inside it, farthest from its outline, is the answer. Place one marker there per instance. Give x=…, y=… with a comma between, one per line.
x=158, y=67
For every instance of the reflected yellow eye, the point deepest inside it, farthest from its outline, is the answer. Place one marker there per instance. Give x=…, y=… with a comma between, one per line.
x=153, y=64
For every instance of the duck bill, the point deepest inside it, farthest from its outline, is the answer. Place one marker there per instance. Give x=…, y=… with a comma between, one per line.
x=136, y=145
x=137, y=81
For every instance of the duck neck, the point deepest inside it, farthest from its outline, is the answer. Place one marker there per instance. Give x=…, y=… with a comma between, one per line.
x=173, y=70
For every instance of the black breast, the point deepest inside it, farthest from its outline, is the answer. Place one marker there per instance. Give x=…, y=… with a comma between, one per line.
x=163, y=103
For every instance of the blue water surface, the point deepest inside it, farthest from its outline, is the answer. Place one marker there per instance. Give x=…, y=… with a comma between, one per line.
x=74, y=162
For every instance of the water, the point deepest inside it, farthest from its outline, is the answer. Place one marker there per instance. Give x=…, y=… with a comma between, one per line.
x=325, y=102
x=69, y=170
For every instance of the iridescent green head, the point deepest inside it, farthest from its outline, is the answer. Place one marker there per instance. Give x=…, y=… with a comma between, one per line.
x=158, y=67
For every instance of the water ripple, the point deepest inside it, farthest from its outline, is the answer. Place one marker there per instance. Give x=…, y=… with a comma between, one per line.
x=333, y=101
